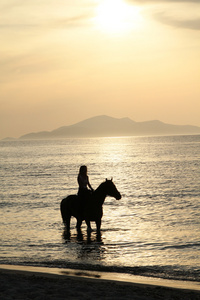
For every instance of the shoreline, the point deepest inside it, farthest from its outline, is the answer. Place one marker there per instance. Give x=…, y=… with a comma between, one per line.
x=99, y=275
x=57, y=283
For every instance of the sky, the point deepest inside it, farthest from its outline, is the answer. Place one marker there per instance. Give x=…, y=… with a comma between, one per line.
x=63, y=61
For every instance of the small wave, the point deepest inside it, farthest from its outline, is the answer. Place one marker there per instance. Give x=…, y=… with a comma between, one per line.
x=114, y=229
x=39, y=175
x=183, y=246
x=122, y=244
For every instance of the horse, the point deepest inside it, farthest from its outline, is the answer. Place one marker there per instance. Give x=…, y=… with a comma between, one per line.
x=91, y=210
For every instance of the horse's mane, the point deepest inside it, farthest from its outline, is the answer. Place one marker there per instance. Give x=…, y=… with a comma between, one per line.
x=102, y=185
x=99, y=187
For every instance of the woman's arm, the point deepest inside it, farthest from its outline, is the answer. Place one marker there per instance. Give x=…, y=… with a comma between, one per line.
x=90, y=185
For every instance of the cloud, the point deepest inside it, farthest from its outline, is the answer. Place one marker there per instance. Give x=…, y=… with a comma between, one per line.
x=20, y=14
x=193, y=24
x=14, y=67
x=162, y=1
x=176, y=13
x=78, y=20
x=69, y=22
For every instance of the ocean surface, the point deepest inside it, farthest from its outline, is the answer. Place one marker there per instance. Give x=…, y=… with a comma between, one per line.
x=154, y=230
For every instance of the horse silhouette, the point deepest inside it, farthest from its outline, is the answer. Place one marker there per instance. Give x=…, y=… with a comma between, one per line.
x=91, y=209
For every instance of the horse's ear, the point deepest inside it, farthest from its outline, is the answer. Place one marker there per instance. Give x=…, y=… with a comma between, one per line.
x=110, y=179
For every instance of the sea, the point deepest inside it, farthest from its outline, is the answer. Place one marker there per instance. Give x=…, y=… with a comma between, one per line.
x=153, y=230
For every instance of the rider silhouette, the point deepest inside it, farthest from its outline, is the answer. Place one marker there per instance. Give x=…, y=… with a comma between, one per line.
x=83, y=182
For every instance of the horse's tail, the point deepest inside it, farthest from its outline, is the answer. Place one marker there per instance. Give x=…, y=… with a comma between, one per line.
x=63, y=209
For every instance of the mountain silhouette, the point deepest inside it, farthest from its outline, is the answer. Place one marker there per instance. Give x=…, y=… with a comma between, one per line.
x=104, y=126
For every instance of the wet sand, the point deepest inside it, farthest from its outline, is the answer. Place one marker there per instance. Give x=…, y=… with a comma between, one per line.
x=25, y=282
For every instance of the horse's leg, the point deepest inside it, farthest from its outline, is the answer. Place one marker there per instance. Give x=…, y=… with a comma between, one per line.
x=78, y=224
x=98, y=224
x=89, y=229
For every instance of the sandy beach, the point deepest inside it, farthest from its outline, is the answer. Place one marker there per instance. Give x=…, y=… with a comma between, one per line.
x=18, y=282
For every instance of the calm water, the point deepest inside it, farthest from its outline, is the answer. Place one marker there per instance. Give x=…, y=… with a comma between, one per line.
x=153, y=230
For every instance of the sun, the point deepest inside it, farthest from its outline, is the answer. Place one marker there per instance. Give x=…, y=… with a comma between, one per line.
x=116, y=16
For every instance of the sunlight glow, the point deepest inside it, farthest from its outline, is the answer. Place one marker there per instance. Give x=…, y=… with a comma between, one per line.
x=116, y=16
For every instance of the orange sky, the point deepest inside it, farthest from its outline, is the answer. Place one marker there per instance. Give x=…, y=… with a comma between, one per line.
x=64, y=61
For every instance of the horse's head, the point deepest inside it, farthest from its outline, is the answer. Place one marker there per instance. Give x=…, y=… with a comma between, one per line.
x=112, y=190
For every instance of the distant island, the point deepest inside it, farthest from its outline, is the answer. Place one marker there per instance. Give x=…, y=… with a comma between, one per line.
x=105, y=126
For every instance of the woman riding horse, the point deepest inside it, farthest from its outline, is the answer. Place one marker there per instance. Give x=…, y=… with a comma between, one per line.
x=93, y=208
